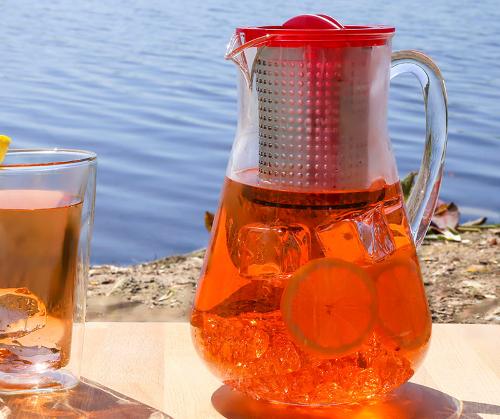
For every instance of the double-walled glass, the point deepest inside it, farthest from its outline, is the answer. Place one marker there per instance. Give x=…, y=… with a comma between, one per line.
x=46, y=217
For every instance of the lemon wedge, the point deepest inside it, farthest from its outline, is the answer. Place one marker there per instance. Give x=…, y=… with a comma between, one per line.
x=4, y=146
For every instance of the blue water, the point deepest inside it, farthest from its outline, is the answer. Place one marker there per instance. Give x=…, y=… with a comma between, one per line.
x=144, y=84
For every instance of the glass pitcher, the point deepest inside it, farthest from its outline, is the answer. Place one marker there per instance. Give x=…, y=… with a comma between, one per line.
x=311, y=291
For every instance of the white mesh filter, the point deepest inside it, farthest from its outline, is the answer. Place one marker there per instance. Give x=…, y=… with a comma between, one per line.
x=312, y=116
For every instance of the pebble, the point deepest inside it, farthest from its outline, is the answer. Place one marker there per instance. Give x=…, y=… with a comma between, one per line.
x=473, y=284
x=476, y=268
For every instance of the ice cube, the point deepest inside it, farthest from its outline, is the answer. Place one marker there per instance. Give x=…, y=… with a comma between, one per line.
x=375, y=234
x=396, y=220
x=339, y=239
x=21, y=312
x=270, y=250
x=362, y=237
x=15, y=358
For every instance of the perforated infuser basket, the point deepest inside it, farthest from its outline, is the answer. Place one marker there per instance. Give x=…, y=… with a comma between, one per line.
x=313, y=92
x=312, y=107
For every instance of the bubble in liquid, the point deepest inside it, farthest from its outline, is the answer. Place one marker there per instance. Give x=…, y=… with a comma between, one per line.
x=21, y=312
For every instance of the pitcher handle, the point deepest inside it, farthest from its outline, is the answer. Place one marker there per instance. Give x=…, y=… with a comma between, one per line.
x=423, y=198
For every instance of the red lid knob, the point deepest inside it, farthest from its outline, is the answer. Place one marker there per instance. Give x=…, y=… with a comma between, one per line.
x=312, y=22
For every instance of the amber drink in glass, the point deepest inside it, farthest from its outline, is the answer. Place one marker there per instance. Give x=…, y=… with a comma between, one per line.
x=46, y=215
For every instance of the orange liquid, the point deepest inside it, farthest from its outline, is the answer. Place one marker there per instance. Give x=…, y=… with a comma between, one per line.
x=39, y=234
x=260, y=238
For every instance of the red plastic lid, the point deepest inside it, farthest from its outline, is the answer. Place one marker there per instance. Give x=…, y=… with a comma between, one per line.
x=320, y=30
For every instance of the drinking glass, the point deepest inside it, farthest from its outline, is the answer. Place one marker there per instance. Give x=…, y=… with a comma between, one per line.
x=47, y=201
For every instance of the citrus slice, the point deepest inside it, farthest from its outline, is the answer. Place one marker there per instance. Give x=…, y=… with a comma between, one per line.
x=402, y=306
x=329, y=307
x=4, y=146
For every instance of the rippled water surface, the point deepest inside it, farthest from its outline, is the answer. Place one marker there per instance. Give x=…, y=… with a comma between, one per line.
x=144, y=84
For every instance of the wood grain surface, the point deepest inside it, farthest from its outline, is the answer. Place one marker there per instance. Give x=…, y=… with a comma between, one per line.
x=156, y=364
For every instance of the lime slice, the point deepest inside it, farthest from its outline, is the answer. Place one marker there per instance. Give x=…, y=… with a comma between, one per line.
x=4, y=146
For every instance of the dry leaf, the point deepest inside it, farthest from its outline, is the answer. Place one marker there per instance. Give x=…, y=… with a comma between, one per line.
x=209, y=220
x=446, y=216
x=407, y=184
x=473, y=223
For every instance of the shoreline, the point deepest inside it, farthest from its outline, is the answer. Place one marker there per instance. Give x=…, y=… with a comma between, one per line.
x=461, y=279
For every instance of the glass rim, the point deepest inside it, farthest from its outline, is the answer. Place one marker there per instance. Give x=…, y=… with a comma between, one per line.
x=81, y=156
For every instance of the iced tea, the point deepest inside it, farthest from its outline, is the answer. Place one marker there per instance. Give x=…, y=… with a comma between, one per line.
x=311, y=297
x=39, y=234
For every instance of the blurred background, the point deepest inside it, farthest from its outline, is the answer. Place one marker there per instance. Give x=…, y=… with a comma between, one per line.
x=145, y=85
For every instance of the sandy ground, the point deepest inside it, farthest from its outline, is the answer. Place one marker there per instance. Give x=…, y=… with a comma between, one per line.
x=462, y=282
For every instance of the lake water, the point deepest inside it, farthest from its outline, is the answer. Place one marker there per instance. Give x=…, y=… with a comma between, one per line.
x=145, y=85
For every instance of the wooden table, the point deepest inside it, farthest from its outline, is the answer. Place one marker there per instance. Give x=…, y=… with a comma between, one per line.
x=156, y=364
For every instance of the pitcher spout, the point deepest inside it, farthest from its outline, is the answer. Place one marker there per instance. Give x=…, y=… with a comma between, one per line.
x=243, y=53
